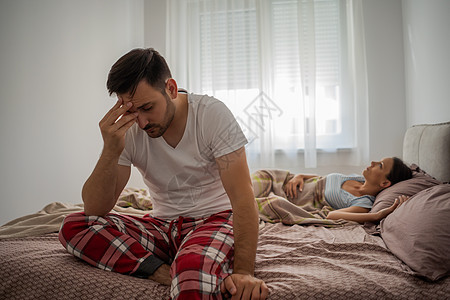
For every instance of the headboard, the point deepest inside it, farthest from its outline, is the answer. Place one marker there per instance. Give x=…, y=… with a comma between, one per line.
x=428, y=146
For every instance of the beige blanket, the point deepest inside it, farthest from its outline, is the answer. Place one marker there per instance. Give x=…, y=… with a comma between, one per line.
x=309, y=208
x=49, y=219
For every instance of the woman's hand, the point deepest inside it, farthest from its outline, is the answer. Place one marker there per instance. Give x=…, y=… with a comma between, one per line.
x=397, y=203
x=294, y=185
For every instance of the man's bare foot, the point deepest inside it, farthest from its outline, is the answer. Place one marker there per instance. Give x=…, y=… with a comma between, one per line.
x=162, y=275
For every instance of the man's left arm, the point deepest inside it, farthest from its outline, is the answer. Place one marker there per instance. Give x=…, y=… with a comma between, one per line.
x=236, y=180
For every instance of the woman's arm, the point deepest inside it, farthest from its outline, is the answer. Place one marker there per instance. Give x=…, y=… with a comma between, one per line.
x=361, y=214
x=352, y=213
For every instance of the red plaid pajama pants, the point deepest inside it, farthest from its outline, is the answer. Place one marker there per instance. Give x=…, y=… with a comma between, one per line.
x=200, y=251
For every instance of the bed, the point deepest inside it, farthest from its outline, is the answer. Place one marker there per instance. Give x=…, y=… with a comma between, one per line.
x=403, y=257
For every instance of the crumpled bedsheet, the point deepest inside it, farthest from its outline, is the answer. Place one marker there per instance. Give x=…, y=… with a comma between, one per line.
x=296, y=262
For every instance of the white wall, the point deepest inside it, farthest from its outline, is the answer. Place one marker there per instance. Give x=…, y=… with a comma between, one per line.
x=427, y=60
x=386, y=85
x=155, y=25
x=54, y=59
x=55, y=56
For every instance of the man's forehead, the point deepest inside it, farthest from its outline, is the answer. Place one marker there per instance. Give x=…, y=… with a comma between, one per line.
x=136, y=103
x=125, y=100
x=126, y=97
x=130, y=98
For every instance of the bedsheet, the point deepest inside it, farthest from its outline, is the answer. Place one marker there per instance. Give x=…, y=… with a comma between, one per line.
x=296, y=262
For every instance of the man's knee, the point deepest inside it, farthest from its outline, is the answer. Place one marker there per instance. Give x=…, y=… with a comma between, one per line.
x=71, y=225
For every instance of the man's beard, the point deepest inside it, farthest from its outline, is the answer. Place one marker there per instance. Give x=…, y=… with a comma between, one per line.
x=156, y=130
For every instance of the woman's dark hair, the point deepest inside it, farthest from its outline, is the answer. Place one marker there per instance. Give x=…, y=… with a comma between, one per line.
x=399, y=172
x=134, y=66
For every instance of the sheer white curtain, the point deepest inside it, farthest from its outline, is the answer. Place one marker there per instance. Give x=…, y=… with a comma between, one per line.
x=292, y=72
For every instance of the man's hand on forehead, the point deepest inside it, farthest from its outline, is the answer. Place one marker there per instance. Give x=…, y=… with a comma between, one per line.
x=127, y=103
x=114, y=125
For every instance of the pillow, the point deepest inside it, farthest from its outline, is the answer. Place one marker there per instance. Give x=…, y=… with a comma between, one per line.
x=418, y=232
x=419, y=182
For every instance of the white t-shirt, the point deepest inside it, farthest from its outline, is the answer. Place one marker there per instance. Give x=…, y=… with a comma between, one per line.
x=184, y=181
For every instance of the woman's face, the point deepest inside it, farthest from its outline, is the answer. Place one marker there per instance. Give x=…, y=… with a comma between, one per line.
x=378, y=171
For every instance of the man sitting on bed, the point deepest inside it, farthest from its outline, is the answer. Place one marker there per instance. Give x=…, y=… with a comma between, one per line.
x=201, y=238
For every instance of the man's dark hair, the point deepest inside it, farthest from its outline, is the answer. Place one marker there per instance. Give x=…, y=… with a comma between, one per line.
x=134, y=66
x=399, y=172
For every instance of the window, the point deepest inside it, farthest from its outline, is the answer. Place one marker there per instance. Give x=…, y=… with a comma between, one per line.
x=281, y=66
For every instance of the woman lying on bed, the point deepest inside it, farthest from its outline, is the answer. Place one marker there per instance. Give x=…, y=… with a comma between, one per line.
x=352, y=196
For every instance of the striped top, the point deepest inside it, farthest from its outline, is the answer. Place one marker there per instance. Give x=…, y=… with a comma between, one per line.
x=339, y=198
